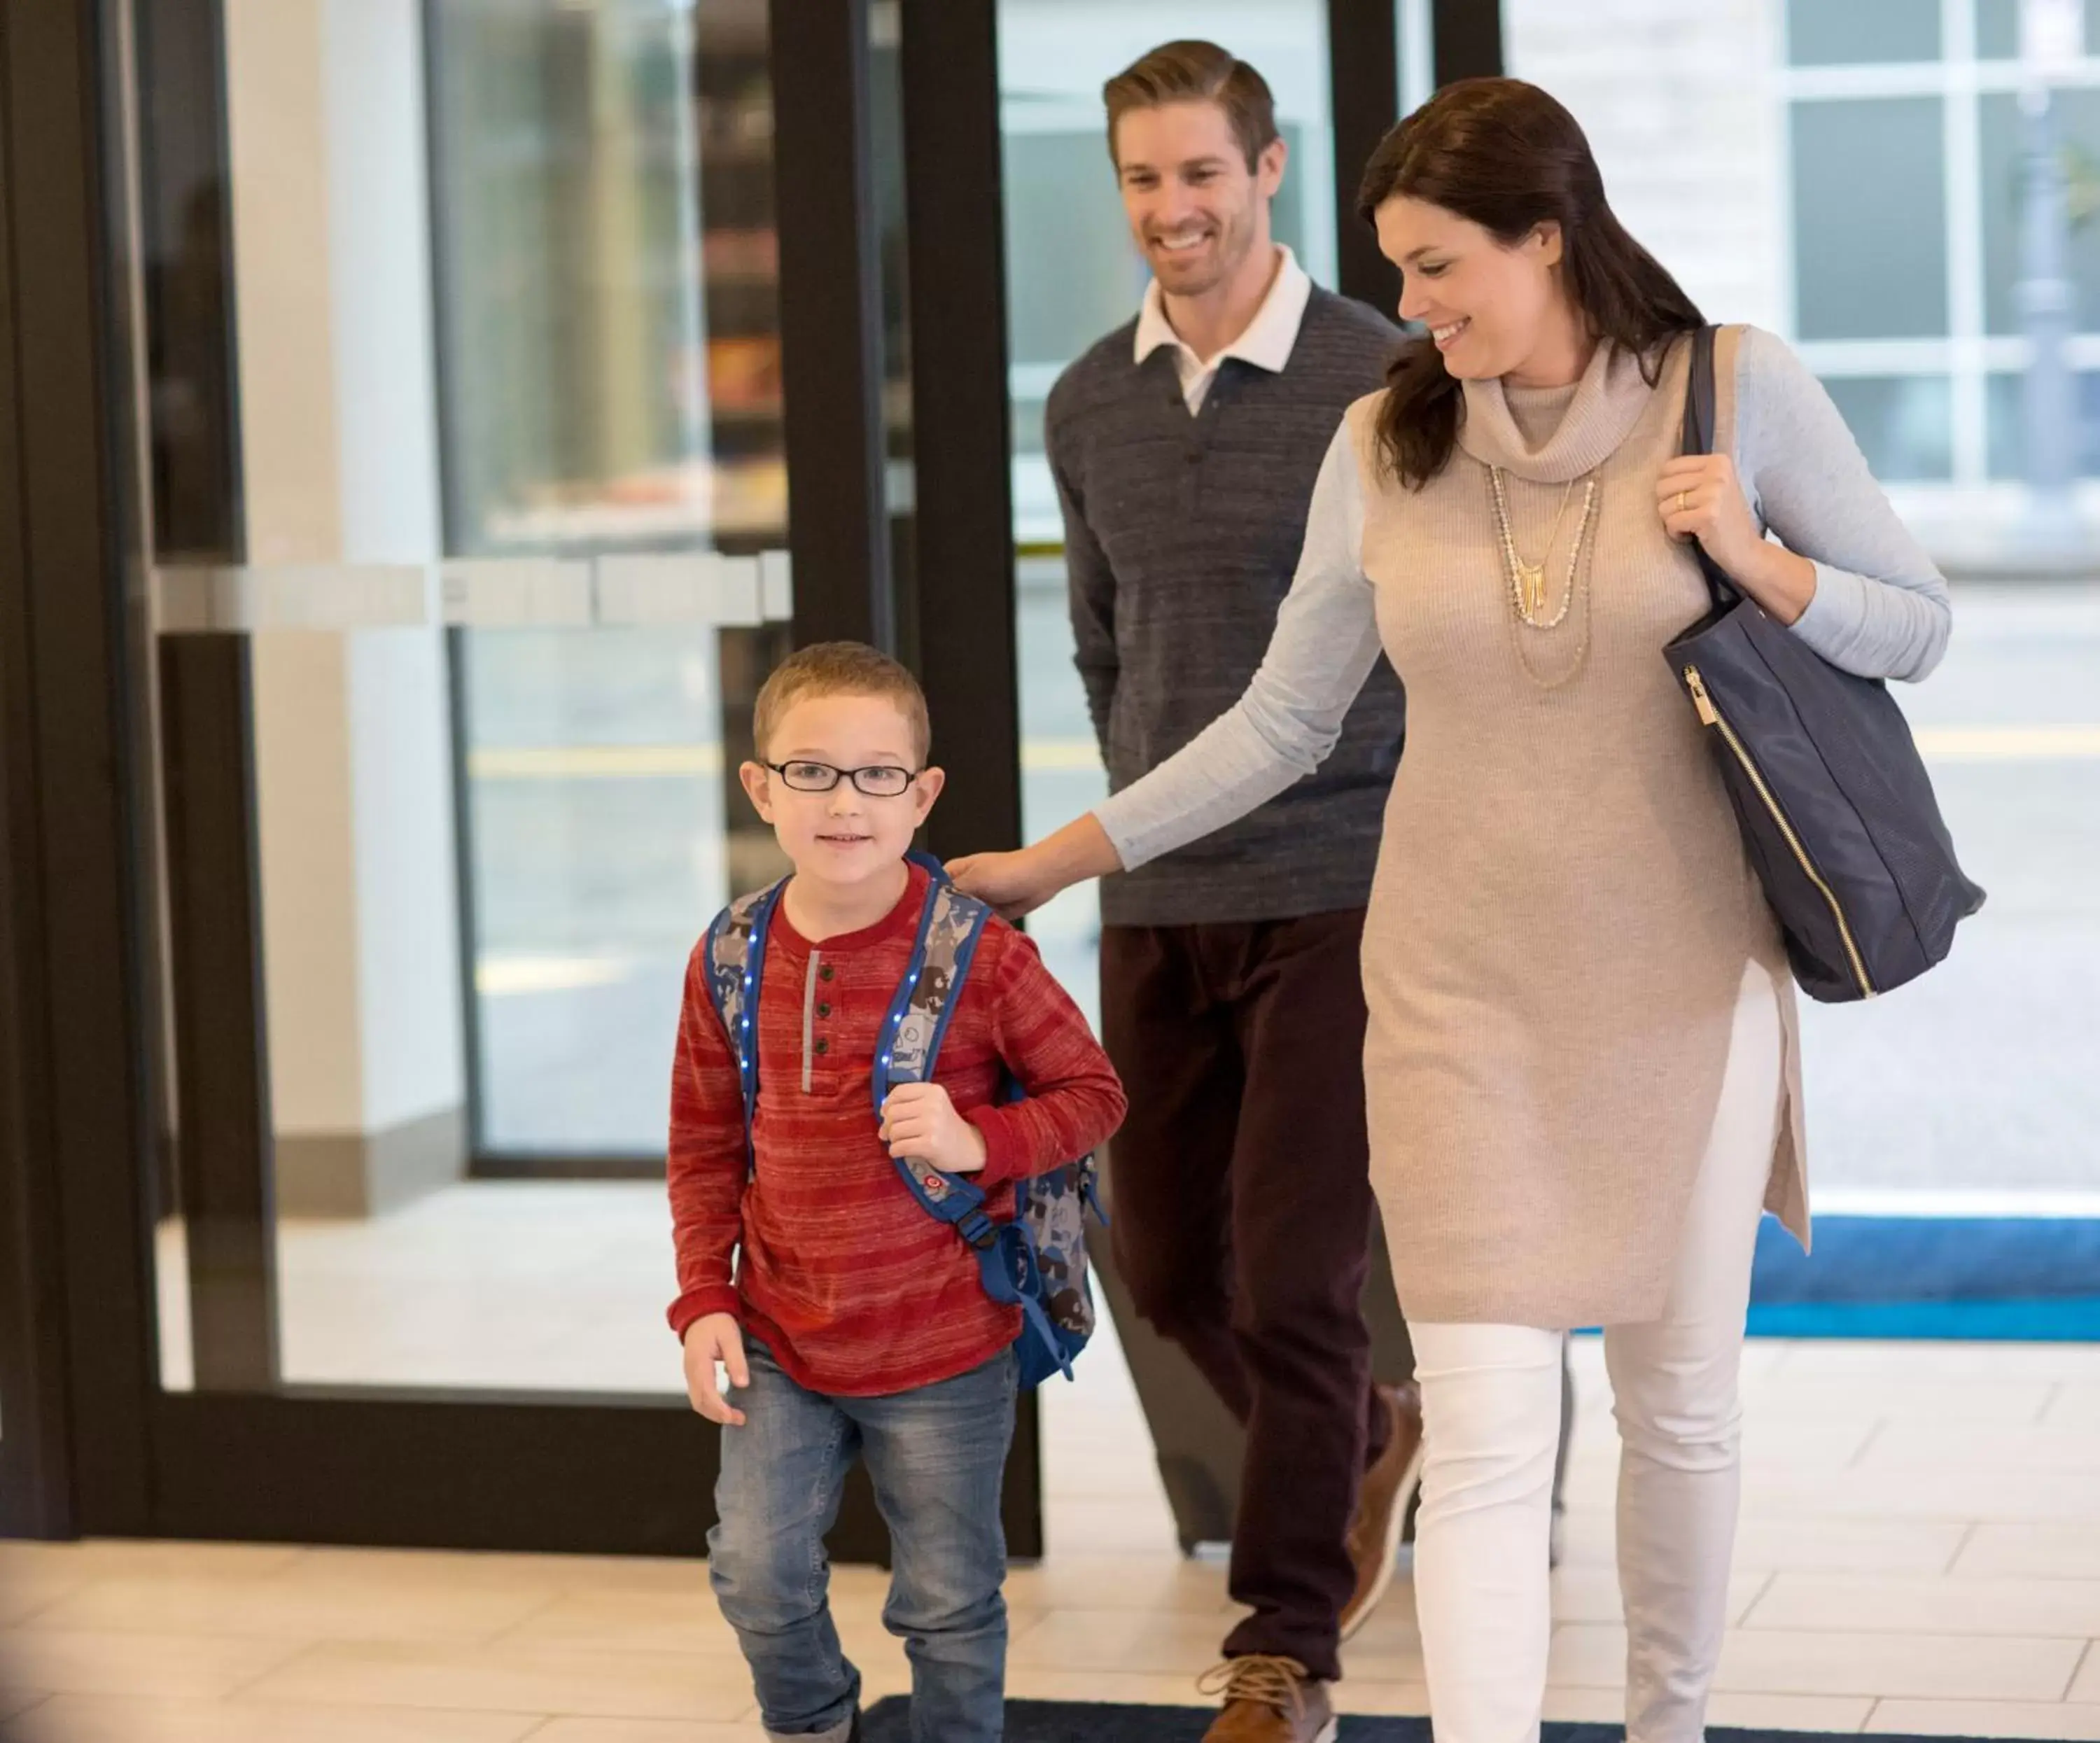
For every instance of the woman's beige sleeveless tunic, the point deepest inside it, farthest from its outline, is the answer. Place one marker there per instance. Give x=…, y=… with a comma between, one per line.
x=1563, y=910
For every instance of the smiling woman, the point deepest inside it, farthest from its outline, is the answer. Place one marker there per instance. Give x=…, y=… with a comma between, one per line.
x=1558, y=859
x=1495, y=213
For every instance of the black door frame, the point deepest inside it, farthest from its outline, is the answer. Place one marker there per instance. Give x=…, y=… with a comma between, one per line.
x=76, y=1254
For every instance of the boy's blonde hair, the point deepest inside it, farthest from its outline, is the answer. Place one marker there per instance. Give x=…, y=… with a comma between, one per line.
x=841, y=668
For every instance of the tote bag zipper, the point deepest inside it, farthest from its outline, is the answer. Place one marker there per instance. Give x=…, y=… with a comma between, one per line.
x=1710, y=715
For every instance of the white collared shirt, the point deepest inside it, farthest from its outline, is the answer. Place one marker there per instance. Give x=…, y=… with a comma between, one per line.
x=1266, y=343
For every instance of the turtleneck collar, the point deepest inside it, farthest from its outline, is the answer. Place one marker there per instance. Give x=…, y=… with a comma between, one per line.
x=1601, y=412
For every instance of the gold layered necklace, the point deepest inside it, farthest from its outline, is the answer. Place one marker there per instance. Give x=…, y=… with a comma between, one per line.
x=1528, y=582
x=1531, y=592
x=1529, y=578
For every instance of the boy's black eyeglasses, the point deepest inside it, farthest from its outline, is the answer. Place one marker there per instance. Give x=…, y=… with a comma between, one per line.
x=879, y=781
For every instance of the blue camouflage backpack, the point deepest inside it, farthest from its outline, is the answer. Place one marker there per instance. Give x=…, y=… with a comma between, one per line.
x=1038, y=1261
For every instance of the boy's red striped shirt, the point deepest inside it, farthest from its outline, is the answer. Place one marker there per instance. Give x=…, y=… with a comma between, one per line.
x=822, y=1253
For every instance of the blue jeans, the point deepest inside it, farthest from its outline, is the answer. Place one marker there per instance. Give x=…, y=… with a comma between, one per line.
x=935, y=1457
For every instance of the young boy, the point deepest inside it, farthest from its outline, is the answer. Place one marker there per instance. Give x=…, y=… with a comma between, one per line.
x=851, y=1321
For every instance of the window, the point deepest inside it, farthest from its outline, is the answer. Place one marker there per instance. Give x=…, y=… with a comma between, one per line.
x=1906, y=223
x=1902, y=423
x=1998, y=28
x=1837, y=32
x=2008, y=447
x=2074, y=121
x=1870, y=243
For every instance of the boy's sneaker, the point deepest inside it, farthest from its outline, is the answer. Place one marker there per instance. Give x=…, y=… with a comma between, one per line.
x=1382, y=1506
x=1268, y=1701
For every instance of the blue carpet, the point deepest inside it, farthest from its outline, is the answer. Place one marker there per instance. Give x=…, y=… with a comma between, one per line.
x=2013, y=1278
x=1076, y=1722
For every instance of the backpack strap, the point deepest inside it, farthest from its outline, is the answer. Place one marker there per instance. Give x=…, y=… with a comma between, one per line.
x=908, y=1045
x=906, y=1050
x=950, y=926
x=736, y=959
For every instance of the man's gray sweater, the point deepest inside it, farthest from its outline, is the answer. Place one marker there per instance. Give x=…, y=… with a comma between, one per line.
x=1181, y=535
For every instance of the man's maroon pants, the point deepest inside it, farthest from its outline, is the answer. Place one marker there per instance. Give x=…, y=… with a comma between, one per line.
x=1243, y=1212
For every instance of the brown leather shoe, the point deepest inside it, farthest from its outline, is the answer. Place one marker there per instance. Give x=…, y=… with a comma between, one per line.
x=1382, y=1506
x=1268, y=1701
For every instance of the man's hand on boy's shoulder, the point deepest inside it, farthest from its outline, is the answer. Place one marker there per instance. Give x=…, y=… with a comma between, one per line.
x=919, y=1124
x=711, y=1338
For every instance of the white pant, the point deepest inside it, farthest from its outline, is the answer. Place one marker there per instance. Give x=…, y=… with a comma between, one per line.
x=1491, y=1405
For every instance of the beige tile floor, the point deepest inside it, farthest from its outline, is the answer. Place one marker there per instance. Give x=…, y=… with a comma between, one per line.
x=1920, y=1553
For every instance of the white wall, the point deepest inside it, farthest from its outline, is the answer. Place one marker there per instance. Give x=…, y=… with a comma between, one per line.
x=339, y=452
x=379, y=263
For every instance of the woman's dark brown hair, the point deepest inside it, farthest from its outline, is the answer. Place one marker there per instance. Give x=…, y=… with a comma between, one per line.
x=1509, y=157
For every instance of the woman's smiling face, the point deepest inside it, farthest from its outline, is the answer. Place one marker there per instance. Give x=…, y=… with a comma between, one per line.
x=1488, y=304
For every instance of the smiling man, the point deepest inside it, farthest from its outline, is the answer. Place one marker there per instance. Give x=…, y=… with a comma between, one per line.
x=1185, y=447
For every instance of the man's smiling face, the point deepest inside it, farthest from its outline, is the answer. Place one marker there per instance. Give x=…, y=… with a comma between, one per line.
x=1196, y=209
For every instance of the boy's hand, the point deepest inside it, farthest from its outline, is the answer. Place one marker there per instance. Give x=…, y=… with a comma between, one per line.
x=714, y=1338
x=919, y=1121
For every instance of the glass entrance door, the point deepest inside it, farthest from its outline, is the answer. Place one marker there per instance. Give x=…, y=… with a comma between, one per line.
x=498, y=323
x=454, y=333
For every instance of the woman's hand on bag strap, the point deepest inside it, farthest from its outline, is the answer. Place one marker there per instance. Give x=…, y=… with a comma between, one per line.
x=1698, y=497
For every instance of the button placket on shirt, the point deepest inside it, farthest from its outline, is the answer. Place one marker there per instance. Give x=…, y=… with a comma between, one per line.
x=1200, y=426
x=821, y=1003
x=818, y=1002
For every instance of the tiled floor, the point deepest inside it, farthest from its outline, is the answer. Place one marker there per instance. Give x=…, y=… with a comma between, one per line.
x=1919, y=1552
